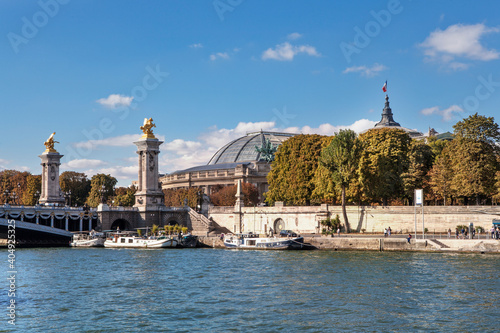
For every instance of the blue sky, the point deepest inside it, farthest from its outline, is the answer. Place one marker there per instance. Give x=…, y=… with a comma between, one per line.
x=209, y=71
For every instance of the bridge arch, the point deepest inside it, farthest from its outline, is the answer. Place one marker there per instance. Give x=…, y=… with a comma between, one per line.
x=122, y=224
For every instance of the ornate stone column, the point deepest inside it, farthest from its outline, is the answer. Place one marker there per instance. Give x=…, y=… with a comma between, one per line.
x=51, y=159
x=149, y=195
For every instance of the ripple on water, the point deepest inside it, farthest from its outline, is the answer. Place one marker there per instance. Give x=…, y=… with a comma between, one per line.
x=104, y=290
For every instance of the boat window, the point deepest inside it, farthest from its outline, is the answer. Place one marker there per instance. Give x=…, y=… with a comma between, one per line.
x=131, y=240
x=251, y=242
x=123, y=240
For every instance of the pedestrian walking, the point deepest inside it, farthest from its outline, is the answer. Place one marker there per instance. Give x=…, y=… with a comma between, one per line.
x=409, y=238
x=449, y=233
x=389, y=231
x=385, y=232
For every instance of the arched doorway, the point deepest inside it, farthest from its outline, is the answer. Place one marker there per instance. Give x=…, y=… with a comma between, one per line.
x=122, y=224
x=279, y=225
x=172, y=222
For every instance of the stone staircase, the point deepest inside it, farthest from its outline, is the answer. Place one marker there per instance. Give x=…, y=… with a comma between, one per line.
x=200, y=224
x=441, y=245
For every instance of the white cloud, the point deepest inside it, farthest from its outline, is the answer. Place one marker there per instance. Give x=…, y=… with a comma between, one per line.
x=196, y=46
x=447, y=114
x=116, y=141
x=119, y=172
x=82, y=163
x=294, y=36
x=180, y=154
x=459, y=40
x=115, y=100
x=3, y=164
x=219, y=55
x=366, y=71
x=287, y=51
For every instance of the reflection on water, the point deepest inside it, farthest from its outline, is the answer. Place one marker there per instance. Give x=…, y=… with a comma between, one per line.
x=126, y=290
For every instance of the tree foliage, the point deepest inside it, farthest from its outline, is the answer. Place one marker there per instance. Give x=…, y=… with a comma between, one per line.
x=97, y=182
x=341, y=158
x=478, y=128
x=176, y=197
x=33, y=190
x=15, y=182
x=293, y=169
x=78, y=184
x=383, y=160
x=226, y=196
x=125, y=196
x=417, y=175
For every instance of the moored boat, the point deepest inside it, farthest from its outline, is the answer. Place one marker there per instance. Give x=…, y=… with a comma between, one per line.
x=253, y=241
x=88, y=239
x=130, y=241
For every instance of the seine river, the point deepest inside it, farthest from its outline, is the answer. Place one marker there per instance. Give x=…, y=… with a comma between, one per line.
x=215, y=290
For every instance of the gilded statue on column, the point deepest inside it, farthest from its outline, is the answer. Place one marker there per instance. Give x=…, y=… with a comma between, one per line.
x=49, y=144
x=147, y=128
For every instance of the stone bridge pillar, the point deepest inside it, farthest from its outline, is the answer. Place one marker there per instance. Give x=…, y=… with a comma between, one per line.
x=149, y=196
x=51, y=192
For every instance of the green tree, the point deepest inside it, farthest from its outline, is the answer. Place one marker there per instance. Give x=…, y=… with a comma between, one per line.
x=383, y=161
x=341, y=158
x=125, y=196
x=97, y=190
x=441, y=176
x=474, y=165
x=475, y=157
x=478, y=128
x=33, y=190
x=420, y=163
x=293, y=169
x=78, y=184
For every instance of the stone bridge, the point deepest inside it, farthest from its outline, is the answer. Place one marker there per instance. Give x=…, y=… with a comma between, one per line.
x=45, y=225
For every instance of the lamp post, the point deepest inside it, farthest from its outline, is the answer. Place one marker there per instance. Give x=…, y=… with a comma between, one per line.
x=37, y=196
x=6, y=194
x=102, y=190
x=67, y=196
x=14, y=197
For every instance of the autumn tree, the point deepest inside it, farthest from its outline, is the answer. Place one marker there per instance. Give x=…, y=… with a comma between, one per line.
x=383, y=160
x=97, y=190
x=15, y=183
x=226, y=196
x=78, y=184
x=177, y=197
x=33, y=190
x=341, y=159
x=293, y=169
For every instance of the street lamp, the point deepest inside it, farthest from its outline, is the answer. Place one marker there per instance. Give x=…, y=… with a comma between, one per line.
x=37, y=196
x=67, y=196
x=6, y=196
x=103, y=189
x=14, y=197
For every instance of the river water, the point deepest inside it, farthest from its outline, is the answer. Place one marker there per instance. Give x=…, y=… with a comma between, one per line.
x=216, y=290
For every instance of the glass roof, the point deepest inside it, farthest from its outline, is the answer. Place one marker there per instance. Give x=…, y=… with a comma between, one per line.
x=243, y=149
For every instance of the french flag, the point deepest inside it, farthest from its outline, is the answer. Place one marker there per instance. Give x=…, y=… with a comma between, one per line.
x=384, y=88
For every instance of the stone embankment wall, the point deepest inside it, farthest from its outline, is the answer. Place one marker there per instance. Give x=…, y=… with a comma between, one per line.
x=401, y=219
x=388, y=244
